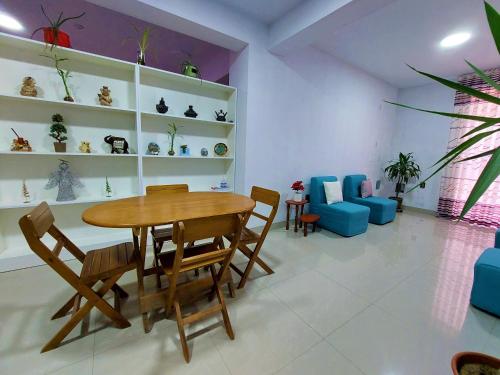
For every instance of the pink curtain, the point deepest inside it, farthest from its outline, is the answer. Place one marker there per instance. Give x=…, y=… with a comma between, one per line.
x=459, y=178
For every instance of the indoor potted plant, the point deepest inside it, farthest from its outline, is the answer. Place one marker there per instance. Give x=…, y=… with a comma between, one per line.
x=142, y=43
x=474, y=363
x=53, y=34
x=58, y=132
x=297, y=188
x=402, y=171
x=172, y=132
x=64, y=74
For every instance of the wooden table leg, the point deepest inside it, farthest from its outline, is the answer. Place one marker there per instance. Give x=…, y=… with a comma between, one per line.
x=287, y=216
x=305, y=229
x=296, y=219
x=140, y=245
x=301, y=213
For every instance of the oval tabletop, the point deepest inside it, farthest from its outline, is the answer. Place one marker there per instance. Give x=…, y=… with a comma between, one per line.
x=158, y=209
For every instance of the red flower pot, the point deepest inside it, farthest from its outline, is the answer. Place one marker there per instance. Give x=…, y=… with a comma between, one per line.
x=62, y=39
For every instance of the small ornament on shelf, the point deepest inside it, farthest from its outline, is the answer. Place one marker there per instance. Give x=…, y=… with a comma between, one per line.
x=26, y=193
x=204, y=152
x=161, y=107
x=105, y=96
x=184, y=150
x=65, y=181
x=20, y=144
x=220, y=116
x=153, y=148
x=190, y=112
x=58, y=131
x=107, y=189
x=172, y=132
x=221, y=149
x=29, y=87
x=119, y=145
x=85, y=147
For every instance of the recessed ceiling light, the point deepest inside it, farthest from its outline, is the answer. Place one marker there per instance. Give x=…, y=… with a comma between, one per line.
x=454, y=40
x=10, y=22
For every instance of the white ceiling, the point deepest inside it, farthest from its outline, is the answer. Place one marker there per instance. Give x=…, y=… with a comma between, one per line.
x=266, y=11
x=409, y=31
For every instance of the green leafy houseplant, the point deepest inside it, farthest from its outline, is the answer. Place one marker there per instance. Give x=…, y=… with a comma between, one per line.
x=64, y=74
x=402, y=171
x=58, y=131
x=488, y=127
x=142, y=43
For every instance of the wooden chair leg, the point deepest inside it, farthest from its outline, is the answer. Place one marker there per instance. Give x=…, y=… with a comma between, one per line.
x=254, y=258
x=65, y=308
x=118, y=289
x=249, y=253
x=220, y=297
x=182, y=334
x=156, y=262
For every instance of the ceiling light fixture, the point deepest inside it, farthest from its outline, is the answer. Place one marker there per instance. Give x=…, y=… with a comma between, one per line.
x=454, y=40
x=10, y=22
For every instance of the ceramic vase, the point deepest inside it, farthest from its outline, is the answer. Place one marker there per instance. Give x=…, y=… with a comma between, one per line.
x=297, y=196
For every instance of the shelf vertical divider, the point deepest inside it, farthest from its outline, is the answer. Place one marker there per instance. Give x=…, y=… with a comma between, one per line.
x=138, y=125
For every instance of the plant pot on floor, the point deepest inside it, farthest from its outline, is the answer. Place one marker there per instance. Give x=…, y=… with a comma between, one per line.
x=400, y=203
x=474, y=364
x=58, y=38
x=60, y=147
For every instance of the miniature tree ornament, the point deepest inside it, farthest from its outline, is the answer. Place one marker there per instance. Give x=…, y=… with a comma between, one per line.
x=58, y=131
x=26, y=193
x=107, y=189
x=65, y=181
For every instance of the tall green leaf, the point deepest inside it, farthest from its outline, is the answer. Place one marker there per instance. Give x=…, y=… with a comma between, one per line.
x=481, y=155
x=479, y=128
x=494, y=21
x=489, y=174
x=484, y=76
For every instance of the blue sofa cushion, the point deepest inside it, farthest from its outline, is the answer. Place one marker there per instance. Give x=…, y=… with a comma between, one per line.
x=317, y=190
x=486, y=287
x=382, y=210
x=352, y=186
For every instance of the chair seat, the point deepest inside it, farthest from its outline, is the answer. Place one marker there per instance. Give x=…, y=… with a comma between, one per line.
x=247, y=236
x=485, y=292
x=102, y=263
x=162, y=234
x=167, y=259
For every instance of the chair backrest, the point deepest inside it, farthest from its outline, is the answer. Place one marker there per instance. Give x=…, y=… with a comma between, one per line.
x=317, y=190
x=35, y=225
x=268, y=197
x=168, y=189
x=214, y=227
x=352, y=186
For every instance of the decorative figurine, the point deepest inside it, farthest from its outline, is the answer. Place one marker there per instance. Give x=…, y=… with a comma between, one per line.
x=220, y=149
x=20, y=144
x=190, y=70
x=220, y=116
x=26, y=193
x=190, y=112
x=153, y=148
x=29, y=87
x=105, y=96
x=65, y=181
x=58, y=131
x=161, y=107
x=224, y=184
x=184, y=150
x=119, y=145
x=172, y=132
x=107, y=189
x=204, y=152
x=85, y=147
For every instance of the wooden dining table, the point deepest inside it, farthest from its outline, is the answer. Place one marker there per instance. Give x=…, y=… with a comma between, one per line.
x=141, y=212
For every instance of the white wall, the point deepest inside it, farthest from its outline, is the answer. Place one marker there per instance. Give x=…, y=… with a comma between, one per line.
x=425, y=135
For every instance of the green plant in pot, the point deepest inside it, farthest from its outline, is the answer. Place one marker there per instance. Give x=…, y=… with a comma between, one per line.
x=63, y=74
x=142, y=43
x=402, y=171
x=58, y=131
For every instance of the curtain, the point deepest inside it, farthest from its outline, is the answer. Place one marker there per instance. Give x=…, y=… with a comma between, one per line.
x=459, y=178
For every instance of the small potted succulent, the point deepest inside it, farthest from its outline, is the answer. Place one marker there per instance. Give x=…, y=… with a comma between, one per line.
x=298, y=188
x=53, y=34
x=58, y=132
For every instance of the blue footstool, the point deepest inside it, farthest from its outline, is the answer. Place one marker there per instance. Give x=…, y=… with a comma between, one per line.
x=485, y=293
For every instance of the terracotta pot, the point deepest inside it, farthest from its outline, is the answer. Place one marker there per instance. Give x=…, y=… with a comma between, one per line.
x=400, y=203
x=60, y=147
x=462, y=358
x=62, y=39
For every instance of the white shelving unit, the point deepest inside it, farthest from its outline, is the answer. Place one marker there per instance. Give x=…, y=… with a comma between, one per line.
x=135, y=91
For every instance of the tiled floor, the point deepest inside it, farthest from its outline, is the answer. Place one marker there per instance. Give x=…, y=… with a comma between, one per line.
x=391, y=301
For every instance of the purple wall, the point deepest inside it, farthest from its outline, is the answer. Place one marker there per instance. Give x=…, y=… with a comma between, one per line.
x=105, y=32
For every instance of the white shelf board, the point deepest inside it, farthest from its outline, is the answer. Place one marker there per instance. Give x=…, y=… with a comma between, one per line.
x=67, y=104
x=51, y=202
x=62, y=154
x=187, y=120
x=188, y=157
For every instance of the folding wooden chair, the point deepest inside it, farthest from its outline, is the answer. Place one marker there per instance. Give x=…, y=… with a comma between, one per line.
x=164, y=234
x=193, y=257
x=248, y=236
x=106, y=265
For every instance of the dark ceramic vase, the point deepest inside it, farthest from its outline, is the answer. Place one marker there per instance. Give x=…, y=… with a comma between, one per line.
x=161, y=107
x=191, y=112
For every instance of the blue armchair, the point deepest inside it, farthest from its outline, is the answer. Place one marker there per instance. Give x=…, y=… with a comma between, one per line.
x=485, y=293
x=382, y=210
x=345, y=218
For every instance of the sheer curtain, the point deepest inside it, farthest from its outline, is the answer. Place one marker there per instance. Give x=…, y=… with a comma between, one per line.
x=459, y=178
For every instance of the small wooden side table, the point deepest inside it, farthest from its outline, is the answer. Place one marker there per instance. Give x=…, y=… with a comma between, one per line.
x=309, y=219
x=298, y=206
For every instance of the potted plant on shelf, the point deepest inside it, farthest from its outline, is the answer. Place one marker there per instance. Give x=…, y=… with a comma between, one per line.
x=297, y=188
x=172, y=132
x=53, y=34
x=58, y=132
x=64, y=74
x=142, y=43
x=402, y=171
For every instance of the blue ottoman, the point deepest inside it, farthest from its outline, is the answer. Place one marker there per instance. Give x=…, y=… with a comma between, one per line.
x=486, y=288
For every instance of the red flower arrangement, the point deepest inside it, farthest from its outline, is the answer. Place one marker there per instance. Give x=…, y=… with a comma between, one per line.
x=297, y=186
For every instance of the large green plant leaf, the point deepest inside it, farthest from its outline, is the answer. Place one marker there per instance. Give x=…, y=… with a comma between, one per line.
x=489, y=174
x=481, y=155
x=480, y=128
x=494, y=22
x=484, y=76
